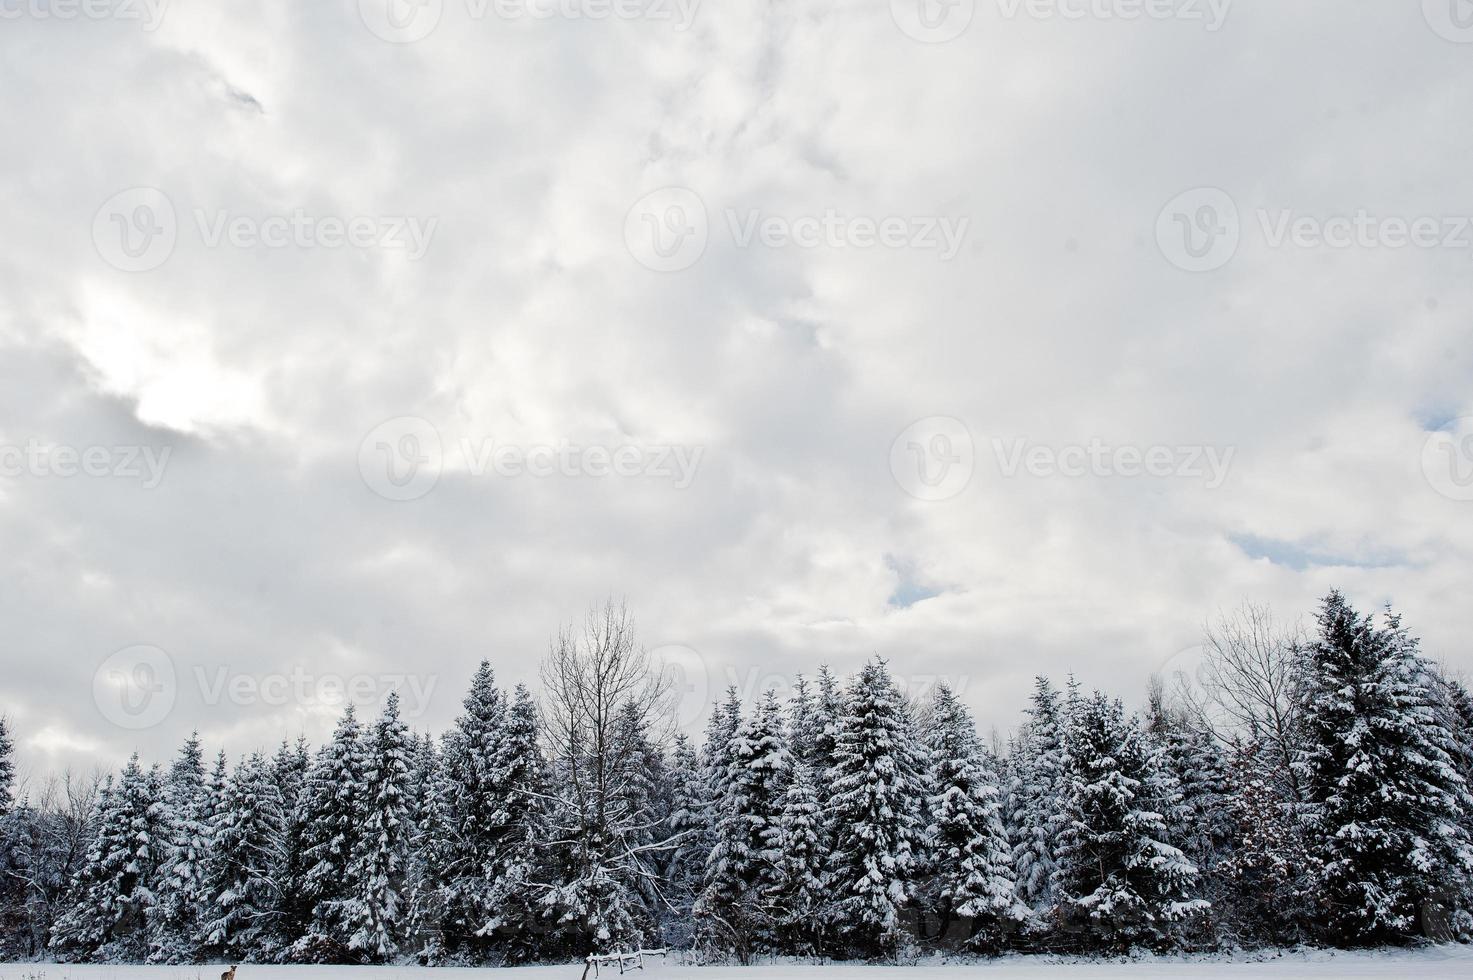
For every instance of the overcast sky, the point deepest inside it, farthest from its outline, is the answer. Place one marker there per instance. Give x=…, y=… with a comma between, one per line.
x=348, y=340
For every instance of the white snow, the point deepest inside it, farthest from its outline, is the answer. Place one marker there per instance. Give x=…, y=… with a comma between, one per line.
x=1439, y=963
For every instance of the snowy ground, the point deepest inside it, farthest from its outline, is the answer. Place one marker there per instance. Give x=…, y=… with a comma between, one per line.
x=1427, y=964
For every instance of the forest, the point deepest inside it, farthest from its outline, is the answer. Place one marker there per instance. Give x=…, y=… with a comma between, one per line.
x=1302, y=786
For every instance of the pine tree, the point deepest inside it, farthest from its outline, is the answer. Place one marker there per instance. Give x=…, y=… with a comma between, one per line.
x=1118, y=882
x=246, y=850
x=972, y=882
x=521, y=774
x=174, y=920
x=376, y=869
x=877, y=793
x=7, y=768
x=422, y=895
x=1036, y=797
x=290, y=770
x=744, y=870
x=1386, y=802
x=473, y=806
x=690, y=830
x=114, y=889
x=799, y=895
x=333, y=799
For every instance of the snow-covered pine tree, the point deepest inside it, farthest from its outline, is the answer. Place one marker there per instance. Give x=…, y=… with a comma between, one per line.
x=1386, y=802
x=745, y=866
x=174, y=920
x=472, y=807
x=290, y=769
x=1118, y=882
x=246, y=836
x=1195, y=790
x=1036, y=798
x=971, y=888
x=333, y=798
x=378, y=861
x=877, y=792
x=521, y=773
x=798, y=899
x=7, y=768
x=690, y=832
x=114, y=891
x=422, y=894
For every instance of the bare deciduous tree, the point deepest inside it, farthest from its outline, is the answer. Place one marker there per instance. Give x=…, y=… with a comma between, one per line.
x=1244, y=692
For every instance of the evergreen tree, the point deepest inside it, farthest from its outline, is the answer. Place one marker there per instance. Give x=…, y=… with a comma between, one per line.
x=7, y=768
x=521, y=774
x=1386, y=802
x=1036, y=797
x=114, y=889
x=744, y=870
x=175, y=923
x=247, y=849
x=333, y=798
x=376, y=869
x=799, y=896
x=877, y=794
x=290, y=770
x=422, y=895
x=1118, y=882
x=972, y=884
x=473, y=808
x=690, y=829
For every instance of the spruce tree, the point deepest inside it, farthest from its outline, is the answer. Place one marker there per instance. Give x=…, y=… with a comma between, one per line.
x=290, y=770
x=473, y=806
x=1386, y=803
x=247, y=845
x=877, y=793
x=799, y=896
x=333, y=799
x=521, y=774
x=972, y=884
x=175, y=922
x=115, y=886
x=376, y=869
x=1118, y=882
x=1036, y=797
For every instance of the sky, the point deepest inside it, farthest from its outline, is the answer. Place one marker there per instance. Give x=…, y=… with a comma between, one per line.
x=345, y=344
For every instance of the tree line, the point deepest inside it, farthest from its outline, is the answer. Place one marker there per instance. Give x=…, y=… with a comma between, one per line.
x=1297, y=788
